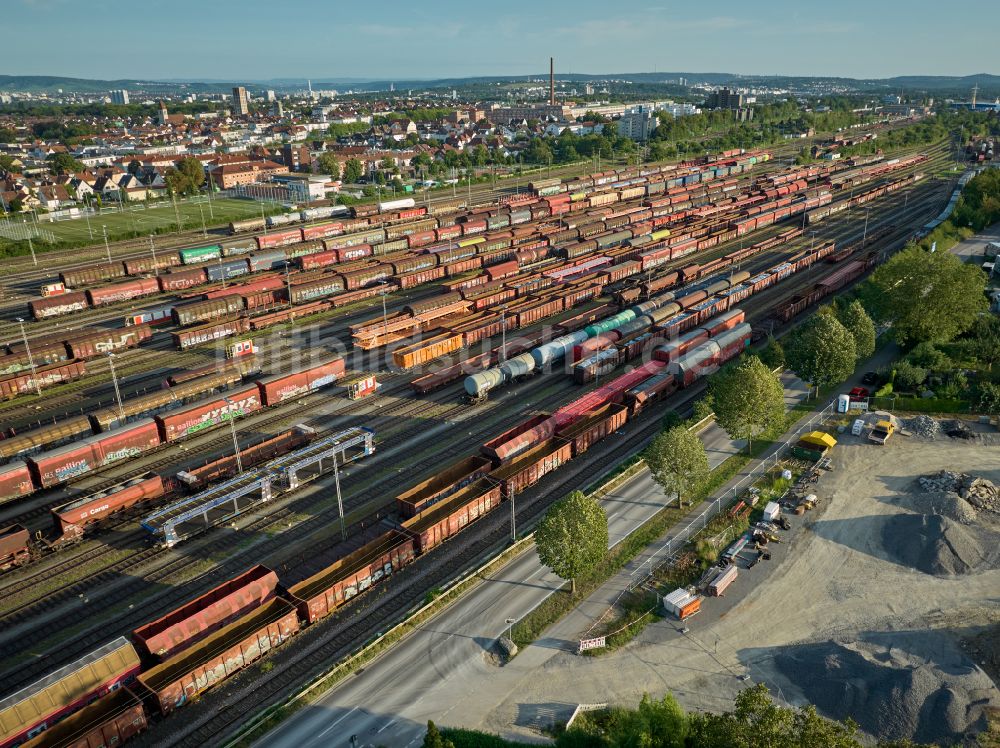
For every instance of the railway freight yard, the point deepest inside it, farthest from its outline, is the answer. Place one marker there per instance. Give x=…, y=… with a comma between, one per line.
x=251, y=421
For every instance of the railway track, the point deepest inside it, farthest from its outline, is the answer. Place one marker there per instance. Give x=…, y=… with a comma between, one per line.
x=433, y=459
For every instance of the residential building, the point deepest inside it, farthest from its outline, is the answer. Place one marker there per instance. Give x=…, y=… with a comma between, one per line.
x=241, y=101
x=229, y=175
x=295, y=157
x=303, y=187
x=119, y=96
x=270, y=95
x=725, y=98
x=638, y=123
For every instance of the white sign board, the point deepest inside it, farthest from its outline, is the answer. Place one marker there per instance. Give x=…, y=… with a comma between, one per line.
x=859, y=405
x=596, y=643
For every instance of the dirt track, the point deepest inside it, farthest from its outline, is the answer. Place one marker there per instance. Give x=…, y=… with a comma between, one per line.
x=837, y=617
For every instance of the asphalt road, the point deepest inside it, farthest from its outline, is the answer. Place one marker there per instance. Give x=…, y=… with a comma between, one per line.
x=444, y=671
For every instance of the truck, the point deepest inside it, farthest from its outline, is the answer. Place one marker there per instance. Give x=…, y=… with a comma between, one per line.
x=881, y=432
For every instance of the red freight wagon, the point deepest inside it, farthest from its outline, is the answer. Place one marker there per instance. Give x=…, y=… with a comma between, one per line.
x=520, y=438
x=503, y=270
x=279, y=239
x=53, y=306
x=198, y=618
x=15, y=481
x=528, y=468
x=273, y=283
x=446, y=482
x=109, y=721
x=281, y=387
x=60, y=693
x=208, y=413
x=321, y=594
x=318, y=259
x=98, y=343
x=662, y=385
x=448, y=232
x=78, y=458
x=72, y=519
x=421, y=238
x=181, y=279
x=451, y=516
x=123, y=291
x=263, y=299
x=14, y=546
x=322, y=231
x=181, y=678
x=463, y=266
x=361, y=278
x=26, y=383
x=212, y=331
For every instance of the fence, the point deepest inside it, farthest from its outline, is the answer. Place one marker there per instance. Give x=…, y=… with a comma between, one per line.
x=921, y=404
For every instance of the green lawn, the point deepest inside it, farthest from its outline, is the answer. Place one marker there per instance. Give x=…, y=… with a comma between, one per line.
x=136, y=220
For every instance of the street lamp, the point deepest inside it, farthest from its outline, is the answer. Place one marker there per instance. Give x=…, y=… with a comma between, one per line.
x=510, y=625
x=864, y=237
x=503, y=333
x=204, y=229
x=31, y=361
x=106, y=245
x=152, y=248
x=340, y=500
x=118, y=392
x=232, y=428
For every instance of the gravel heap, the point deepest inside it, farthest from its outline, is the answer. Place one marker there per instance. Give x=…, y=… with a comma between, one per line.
x=934, y=544
x=979, y=492
x=890, y=692
x=923, y=427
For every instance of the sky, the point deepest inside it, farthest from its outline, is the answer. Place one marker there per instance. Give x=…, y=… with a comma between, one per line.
x=393, y=39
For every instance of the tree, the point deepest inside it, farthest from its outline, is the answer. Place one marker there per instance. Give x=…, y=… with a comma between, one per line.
x=134, y=167
x=986, y=340
x=353, y=171
x=63, y=163
x=773, y=355
x=572, y=537
x=329, y=164
x=908, y=376
x=926, y=295
x=862, y=329
x=748, y=399
x=187, y=178
x=988, y=398
x=433, y=738
x=821, y=351
x=677, y=461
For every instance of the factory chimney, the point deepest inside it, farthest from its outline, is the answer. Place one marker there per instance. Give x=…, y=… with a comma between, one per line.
x=552, y=81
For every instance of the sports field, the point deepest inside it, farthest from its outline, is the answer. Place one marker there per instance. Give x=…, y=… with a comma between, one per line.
x=134, y=220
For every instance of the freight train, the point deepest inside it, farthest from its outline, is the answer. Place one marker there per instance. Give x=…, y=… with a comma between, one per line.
x=171, y=661
x=143, y=424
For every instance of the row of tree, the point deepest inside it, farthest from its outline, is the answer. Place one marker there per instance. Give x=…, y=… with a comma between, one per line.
x=754, y=722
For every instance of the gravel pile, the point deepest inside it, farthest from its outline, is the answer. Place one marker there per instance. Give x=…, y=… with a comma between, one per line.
x=946, y=503
x=923, y=427
x=890, y=692
x=978, y=492
x=934, y=544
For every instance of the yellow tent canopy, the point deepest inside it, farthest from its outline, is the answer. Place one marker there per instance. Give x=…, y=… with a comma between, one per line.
x=820, y=439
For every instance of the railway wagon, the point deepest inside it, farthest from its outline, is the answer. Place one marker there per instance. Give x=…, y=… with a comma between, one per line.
x=52, y=435
x=446, y=482
x=531, y=466
x=179, y=280
x=208, y=413
x=100, y=342
x=115, y=292
x=519, y=438
x=279, y=239
x=201, y=334
x=13, y=546
x=29, y=711
x=193, y=312
x=324, y=592
x=281, y=387
x=180, y=679
x=15, y=481
x=187, y=625
x=91, y=274
x=73, y=519
x=223, y=271
x=593, y=427
x=144, y=265
x=59, y=465
x=427, y=350
x=109, y=721
x=53, y=306
x=146, y=406
x=192, y=255
x=449, y=517
x=27, y=382
x=316, y=289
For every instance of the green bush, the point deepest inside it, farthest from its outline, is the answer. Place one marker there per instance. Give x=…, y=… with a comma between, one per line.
x=908, y=376
x=921, y=404
x=926, y=356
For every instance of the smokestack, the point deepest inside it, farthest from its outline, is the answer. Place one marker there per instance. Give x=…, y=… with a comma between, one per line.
x=552, y=81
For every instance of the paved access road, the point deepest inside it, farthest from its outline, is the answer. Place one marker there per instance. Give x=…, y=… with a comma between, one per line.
x=443, y=671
